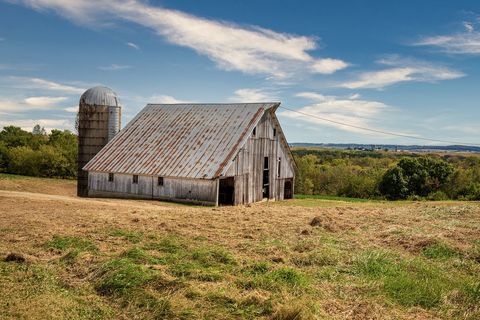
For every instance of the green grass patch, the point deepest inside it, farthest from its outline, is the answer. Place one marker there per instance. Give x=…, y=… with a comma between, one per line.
x=246, y=308
x=68, y=242
x=168, y=245
x=440, y=251
x=209, y=264
x=129, y=235
x=262, y=275
x=411, y=282
x=120, y=276
x=140, y=256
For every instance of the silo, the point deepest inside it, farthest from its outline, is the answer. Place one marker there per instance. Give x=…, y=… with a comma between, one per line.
x=99, y=120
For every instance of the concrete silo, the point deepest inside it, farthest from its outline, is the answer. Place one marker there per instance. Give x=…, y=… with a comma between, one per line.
x=99, y=120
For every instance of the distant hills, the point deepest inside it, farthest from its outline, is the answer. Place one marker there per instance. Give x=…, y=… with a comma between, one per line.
x=389, y=147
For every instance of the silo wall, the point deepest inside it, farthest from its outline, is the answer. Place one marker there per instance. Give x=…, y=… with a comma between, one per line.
x=93, y=135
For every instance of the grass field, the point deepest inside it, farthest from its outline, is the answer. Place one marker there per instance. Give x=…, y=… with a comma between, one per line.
x=62, y=257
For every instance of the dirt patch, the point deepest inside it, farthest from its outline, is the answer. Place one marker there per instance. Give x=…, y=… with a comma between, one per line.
x=15, y=257
x=324, y=222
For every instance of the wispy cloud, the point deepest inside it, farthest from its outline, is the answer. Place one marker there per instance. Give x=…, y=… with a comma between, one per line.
x=166, y=99
x=252, y=95
x=401, y=70
x=44, y=101
x=41, y=84
x=464, y=42
x=249, y=49
x=133, y=45
x=114, y=67
x=352, y=111
x=73, y=109
x=2, y=39
x=15, y=106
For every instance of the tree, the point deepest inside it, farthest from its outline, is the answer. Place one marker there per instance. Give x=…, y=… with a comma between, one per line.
x=415, y=176
x=393, y=184
x=14, y=136
x=38, y=130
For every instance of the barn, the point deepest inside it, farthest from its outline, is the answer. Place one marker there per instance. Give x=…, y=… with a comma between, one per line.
x=215, y=154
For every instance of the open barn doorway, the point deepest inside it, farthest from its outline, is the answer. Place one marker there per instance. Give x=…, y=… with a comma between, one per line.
x=288, y=189
x=226, y=191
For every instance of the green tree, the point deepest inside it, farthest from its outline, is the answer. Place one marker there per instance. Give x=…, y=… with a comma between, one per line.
x=393, y=184
x=13, y=136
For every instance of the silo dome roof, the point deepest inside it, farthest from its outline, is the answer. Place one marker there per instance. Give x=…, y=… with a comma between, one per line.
x=100, y=96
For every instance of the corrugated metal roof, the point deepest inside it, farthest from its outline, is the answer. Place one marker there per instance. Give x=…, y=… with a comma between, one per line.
x=100, y=96
x=180, y=140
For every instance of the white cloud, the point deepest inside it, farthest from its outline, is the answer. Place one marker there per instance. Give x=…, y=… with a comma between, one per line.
x=401, y=70
x=133, y=45
x=328, y=66
x=73, y=109
x=252, y=95
x=166, y=99
x=114, y=67
x=8, y=106
x=466, y=42
x=252, y=50
x=43, y=101
x=48, y=124
x=360, y=113
x=12, y=106
x=468, y=26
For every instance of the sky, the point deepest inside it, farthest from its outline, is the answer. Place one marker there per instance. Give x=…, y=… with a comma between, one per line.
x=406, y=67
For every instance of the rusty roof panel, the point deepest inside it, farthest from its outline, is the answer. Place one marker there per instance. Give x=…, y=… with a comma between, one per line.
x=180, y=140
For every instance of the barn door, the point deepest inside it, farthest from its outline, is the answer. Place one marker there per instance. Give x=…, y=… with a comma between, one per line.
x=266, y=178
x=226, y=191
x=288, y=189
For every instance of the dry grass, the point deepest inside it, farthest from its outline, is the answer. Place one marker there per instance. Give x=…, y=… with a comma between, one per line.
x=124, y=259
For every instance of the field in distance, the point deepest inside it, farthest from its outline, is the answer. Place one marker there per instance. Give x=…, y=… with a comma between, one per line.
x=64, y=257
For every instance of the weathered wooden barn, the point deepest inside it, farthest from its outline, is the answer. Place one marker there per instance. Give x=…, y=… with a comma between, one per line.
x=203, y=153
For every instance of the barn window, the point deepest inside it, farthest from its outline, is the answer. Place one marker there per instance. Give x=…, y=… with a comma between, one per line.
x=254, y=131
x=265, y=163
x=279, y=167
x=160, y=181
x=274, y=132
x=135, y=178
x=110, y=177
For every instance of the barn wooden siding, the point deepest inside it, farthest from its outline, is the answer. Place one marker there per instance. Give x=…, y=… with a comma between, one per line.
x=247, y=166
x=188, y=190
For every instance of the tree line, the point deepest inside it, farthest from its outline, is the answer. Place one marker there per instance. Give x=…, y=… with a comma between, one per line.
x=326, y=172
x=387, y=175
x=37, y=153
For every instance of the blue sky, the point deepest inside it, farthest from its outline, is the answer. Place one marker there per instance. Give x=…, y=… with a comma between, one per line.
x=408, y=67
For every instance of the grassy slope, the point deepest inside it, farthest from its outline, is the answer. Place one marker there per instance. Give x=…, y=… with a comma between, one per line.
x=89, y=259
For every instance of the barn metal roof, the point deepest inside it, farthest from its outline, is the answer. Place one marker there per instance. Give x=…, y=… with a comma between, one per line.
x=100, y=96
x=180, y=140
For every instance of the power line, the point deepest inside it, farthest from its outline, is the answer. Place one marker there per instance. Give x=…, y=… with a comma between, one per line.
x=381, y=131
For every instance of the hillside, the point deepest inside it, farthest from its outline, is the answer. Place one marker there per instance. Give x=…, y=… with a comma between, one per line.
x=300, y=259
